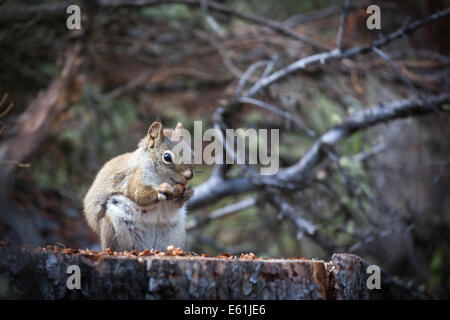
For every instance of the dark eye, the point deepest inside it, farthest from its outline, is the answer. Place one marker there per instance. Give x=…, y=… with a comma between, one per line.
x=167, y=157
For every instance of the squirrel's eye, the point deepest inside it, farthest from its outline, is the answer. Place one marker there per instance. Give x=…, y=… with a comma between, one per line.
x=167, y=157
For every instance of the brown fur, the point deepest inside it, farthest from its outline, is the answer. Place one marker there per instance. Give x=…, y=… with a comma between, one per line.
x=128, y=175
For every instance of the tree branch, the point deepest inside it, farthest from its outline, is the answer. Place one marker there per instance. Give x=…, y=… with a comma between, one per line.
x=296, y=175
x=335, y=54
x=11, y=13
x=341, y=30
x=222, y=212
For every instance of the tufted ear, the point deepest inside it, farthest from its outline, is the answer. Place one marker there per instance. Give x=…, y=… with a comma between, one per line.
x=179, y=130
x=155, y=134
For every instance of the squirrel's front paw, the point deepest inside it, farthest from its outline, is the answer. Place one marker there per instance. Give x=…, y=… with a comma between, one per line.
x=185, y=194
x=164, y=191
x=168, y=192
x=178, y=192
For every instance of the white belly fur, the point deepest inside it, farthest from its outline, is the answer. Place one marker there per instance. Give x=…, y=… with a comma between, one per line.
x=162, y=225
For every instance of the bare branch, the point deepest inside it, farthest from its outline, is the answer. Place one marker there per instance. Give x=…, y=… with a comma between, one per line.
x=11, y=13
x=280, y=112
x=380, y=234
x=335, y=54
x=296, y=175
x=304, y=227
x=311, y=15
x=358, y=121
x=341, y=30
x=215, y=27
x=226, y=58
x=366, y=154
x=222, y=213
x=243, y=80
x=308, y=16
x=8, y=108
x=404, y=78
x=33, y=125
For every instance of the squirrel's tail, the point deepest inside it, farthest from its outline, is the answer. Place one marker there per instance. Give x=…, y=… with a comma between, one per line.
x=94, y=210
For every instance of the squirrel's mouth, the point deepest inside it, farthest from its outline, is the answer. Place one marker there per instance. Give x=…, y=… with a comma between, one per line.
x=175, y=181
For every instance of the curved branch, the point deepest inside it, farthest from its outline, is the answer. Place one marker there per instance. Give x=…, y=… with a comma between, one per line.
x=335, y=54
x=360, y=120
x=295, y=176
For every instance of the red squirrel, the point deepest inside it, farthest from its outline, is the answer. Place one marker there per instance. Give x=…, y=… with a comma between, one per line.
x=137, y=199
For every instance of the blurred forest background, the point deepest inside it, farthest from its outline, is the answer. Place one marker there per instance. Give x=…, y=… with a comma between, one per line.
x=363, y=118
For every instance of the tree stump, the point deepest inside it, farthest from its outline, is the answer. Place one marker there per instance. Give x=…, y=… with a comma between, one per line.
x=42, y=274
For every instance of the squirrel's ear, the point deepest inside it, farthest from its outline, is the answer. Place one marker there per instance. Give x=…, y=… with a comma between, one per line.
x=155, y=134
x=179, y=130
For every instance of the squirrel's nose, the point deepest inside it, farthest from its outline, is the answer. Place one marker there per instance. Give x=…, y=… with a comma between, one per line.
x=188, y=174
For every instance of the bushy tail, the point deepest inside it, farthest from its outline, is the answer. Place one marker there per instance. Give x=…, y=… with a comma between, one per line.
x=94, y=209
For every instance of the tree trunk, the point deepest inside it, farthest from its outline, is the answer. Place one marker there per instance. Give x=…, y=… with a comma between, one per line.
x=42, y=274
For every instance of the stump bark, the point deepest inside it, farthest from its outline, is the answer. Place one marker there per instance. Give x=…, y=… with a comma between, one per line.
x=42, y=274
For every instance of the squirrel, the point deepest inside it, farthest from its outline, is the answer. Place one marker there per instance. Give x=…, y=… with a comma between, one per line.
x=136, y=201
